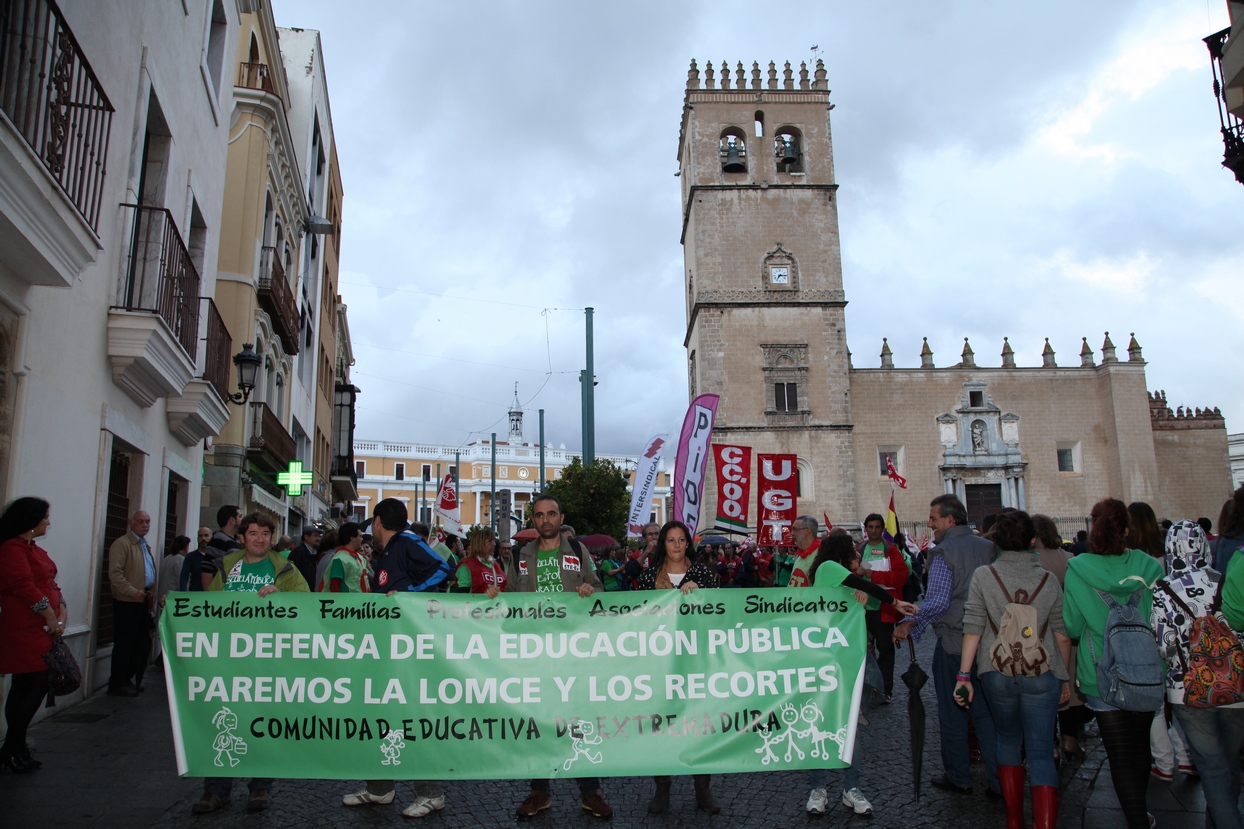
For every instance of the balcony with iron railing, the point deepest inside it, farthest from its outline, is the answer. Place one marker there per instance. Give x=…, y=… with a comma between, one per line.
x=53, y=100
x=271, y=446
x=202, y=409
x=256, y=76
x=153, y=329
x=1229, y=100
x=277, y=298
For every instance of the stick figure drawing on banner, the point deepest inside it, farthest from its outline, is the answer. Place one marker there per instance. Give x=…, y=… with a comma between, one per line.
x=227, y=743
x=391, y=747
x=584, y=734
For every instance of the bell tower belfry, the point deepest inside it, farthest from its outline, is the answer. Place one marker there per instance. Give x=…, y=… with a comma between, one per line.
x=763, y=272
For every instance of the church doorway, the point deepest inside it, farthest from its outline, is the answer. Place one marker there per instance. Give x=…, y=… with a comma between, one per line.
x=982, y=499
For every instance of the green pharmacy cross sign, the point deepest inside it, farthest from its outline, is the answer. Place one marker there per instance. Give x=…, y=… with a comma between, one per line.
x=294, y=479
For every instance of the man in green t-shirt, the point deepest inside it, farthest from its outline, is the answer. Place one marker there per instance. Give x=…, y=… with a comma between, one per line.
x=256, y=568
x=555, y=564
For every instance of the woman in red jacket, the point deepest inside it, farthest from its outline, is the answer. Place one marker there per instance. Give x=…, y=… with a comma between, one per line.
x=32, y=616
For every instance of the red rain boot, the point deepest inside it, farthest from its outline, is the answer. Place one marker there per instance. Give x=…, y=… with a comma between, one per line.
x=1044, y=807
x=1011, y=779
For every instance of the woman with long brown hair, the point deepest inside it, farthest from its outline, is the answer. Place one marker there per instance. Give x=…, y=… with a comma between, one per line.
x=1112, y=569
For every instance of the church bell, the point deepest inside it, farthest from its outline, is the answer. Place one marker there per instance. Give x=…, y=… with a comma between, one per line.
x=733, y=156
x=787, y=151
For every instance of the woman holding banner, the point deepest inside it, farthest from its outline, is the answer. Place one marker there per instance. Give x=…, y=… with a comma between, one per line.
x=672, y=568
x=480, y=571
x=837, y=564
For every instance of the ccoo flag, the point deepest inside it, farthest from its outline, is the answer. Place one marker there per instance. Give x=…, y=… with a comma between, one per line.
x=644, y=485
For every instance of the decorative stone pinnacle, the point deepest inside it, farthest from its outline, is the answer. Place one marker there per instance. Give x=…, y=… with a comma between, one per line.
x=819, y=76
x=710, y=76
x=740, y=81
x=1086, y=354
x=693, y=76
x=1008, y=353
x=1107, y=351
x=887, y=357
x=772, y=75
x=788, y=81
x=803, y=74
x=1047, y=355
x=969, y=356
x=755, y=75
x=1133, y=351
x=725, y=75
x=926, y=355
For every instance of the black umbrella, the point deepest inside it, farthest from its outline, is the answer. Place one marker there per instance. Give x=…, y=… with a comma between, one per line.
x=715, y=540
x=915, y=678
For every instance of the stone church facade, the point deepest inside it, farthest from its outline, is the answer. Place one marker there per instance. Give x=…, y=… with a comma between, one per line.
x=766, y=330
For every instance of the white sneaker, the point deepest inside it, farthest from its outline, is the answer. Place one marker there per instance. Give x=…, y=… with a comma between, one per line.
x=817, y=800
x=365, y=797
x=856, y=800
x=424, y=806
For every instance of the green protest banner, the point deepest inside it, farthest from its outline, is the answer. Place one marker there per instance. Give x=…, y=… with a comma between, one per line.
x=445, y=686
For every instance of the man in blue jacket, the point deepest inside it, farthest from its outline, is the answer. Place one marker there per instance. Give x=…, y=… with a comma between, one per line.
x=402, y=562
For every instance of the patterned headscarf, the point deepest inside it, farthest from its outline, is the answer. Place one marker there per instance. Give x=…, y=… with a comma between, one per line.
x=1187, y=548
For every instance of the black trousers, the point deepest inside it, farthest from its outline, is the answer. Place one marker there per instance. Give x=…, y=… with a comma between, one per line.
x=883, y=637
x=131, y=643
x=1125, y=734
x=26, y=693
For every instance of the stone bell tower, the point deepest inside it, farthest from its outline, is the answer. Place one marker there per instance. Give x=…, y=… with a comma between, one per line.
x=763, y=270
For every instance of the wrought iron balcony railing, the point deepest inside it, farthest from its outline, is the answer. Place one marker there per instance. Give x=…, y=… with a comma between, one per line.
x=53, y=99
x=160, y=276
x=255, y=76
x=218, y=348
x=1232, y=126
x=277, y=298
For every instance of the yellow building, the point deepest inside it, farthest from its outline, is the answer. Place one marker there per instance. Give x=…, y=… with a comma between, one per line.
x=276, y=286
x=410, y=471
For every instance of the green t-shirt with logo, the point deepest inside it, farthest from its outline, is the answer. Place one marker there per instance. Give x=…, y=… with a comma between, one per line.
x=548, y=571
x=873, y=553
x=250, y=578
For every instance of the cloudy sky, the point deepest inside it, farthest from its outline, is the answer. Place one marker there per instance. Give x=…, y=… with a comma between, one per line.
x=1027, y=170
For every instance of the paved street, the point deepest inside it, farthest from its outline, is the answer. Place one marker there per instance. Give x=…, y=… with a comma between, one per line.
x=109, y=763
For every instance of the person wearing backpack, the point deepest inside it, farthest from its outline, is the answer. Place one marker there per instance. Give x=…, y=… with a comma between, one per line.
x=1205, y=690
x=1107, y=600
x=1013, y=634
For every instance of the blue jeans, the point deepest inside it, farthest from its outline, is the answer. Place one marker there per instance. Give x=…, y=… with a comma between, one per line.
x=954, y=723
x=819, y=778
x=1215, y=736
x=223, y=786
x=1025, y=709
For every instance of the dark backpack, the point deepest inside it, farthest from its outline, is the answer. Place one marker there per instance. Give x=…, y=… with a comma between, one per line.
x=1130, y=673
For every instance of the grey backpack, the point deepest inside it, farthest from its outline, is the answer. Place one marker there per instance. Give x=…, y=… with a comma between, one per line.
x=1130, y=673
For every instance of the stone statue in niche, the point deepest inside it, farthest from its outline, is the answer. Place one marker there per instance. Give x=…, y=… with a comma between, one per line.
x=978, y=436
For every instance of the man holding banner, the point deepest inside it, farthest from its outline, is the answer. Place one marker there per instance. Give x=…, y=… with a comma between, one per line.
x=552, y=565
x=403, y=562
x=253, y=569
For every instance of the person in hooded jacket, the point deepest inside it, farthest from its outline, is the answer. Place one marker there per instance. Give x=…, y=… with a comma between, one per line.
x=1215, y=735
x=1112, y=567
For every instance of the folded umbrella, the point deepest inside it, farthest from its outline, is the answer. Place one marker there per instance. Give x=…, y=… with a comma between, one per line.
x=915, y=678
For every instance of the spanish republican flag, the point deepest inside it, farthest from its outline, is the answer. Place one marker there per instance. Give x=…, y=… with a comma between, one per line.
x=891, y=522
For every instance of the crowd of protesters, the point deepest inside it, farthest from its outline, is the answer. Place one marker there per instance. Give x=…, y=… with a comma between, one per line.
x=1132, y=623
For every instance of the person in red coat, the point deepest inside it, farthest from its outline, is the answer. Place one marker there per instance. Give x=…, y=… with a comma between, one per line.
x=32, y=616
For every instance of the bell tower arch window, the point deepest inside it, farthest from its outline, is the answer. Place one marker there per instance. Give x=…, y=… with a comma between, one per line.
x=788, y=150
x=732, y=146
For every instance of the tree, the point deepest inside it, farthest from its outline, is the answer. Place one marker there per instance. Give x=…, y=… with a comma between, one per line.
x=594, y=499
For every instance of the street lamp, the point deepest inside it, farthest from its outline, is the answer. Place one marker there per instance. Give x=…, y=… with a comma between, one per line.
x=248, y=363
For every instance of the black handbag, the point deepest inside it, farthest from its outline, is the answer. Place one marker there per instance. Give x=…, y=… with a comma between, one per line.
x=65, y=675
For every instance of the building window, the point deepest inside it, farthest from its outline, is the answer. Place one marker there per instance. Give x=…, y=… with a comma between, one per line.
x=786, y=397
x=399, y=471
x=976, y=399
x=360, y=469
x=788, y=150
x=427, y=472
x=1069, y=457
x=733, y=150
x=888, y=454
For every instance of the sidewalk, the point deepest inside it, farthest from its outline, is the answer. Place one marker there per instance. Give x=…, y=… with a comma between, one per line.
x=108, y=762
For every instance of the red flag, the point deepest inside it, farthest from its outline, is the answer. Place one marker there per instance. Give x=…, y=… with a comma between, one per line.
x=892, y=472
x=829, y=525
